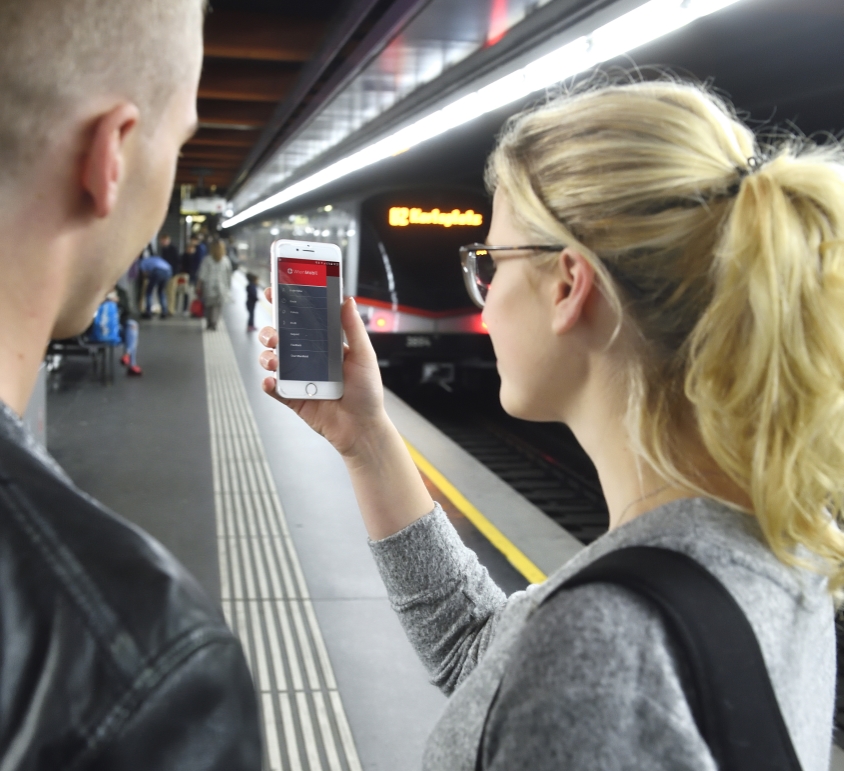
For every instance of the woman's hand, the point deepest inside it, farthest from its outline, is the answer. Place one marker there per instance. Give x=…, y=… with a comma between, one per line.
x=361, y=409
x=389, y=490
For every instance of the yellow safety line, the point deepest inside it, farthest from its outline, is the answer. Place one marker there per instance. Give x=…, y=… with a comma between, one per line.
x=512, y=552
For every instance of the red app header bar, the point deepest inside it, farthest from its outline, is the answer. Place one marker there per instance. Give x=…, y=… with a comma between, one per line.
x=306, y=272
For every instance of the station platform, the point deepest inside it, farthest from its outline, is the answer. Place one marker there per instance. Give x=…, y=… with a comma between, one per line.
x=260, y=509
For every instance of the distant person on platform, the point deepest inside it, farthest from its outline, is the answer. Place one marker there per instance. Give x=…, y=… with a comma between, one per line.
x=251, y=300
x=130, y=331
x=214, y=283
x=201, y=247
x=231, y=251
x=188, y=267
x=195, y=253
x=111, y=655
x=158, y=273
x=170, y=254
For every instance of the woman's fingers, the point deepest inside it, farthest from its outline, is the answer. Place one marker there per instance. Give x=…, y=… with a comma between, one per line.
x=268, y=360
x=268, y=384
x=268, y=337
x=269, y=387
x=268, y=293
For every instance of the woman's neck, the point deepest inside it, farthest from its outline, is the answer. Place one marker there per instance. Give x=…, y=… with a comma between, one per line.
x=632, y=486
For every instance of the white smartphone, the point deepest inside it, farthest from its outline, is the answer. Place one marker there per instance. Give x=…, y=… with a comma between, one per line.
x=307, y=294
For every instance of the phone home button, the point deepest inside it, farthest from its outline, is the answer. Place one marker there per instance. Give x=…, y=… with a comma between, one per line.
x=311, y=389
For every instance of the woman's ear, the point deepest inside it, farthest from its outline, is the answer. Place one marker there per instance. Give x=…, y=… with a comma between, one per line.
x=574, y=281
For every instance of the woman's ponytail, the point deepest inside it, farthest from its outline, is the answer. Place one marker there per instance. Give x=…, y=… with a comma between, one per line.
x=766, y=359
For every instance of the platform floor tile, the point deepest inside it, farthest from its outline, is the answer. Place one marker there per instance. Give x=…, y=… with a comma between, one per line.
x=263, y=591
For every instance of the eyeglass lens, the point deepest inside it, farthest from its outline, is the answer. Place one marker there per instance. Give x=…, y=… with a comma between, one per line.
x=485, y=268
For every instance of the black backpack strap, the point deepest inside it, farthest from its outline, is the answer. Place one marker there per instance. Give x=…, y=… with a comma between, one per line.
x=732, y=699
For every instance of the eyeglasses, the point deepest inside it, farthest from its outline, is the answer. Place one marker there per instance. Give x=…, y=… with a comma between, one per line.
x=479, y=267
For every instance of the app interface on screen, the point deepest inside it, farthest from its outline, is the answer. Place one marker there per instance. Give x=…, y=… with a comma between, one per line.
x=309, y=340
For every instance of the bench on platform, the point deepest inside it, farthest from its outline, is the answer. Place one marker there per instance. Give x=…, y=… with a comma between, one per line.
x=100, y=354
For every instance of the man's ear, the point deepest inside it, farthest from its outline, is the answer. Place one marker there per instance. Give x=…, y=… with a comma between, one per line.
x=103, y=167
x=574, y=282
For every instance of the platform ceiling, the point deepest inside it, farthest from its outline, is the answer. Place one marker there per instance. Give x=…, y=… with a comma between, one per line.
x=780, y=60
x=255, y=51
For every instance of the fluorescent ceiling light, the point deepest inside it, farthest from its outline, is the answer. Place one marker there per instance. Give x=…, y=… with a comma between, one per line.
x=648, y=22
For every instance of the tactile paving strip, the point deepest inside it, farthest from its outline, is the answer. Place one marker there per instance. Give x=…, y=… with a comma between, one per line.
x=264, y=595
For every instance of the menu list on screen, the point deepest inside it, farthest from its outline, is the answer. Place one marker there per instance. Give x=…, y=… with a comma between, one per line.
x=308, y=306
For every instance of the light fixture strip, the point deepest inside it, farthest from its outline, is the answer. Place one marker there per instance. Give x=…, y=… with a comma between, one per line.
x=631, y=30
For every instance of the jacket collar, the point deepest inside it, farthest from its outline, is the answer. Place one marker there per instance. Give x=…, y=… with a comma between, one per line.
x=13, y=430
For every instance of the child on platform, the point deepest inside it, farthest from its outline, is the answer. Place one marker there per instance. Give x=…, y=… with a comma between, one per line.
x=251, y=299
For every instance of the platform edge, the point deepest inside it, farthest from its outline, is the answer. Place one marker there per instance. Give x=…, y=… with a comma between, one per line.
x=542, y=541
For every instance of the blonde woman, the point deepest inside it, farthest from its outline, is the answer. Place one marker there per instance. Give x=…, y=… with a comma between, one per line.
x=681, y=308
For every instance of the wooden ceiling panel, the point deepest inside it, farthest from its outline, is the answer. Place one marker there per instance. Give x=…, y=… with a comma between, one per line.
x=248, y=81
x=213, y=152
x=210, y=168
x=222, y=112
x=254, y=54
x=213, y=161
x=206, y=181
x=263, y=36
x=219, y=151
x=207, y=137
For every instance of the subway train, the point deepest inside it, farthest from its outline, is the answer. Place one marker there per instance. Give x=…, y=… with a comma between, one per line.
x=401, y=264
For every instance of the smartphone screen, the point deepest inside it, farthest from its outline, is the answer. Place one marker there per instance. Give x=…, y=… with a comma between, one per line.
x=310, y=345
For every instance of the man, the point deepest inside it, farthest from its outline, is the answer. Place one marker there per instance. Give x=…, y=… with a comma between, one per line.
x=169, y=253
x=157, y=272
x=111, y=657
x=193, y=257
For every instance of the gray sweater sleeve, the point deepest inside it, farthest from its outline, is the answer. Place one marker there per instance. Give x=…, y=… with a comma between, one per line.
x=444, y=597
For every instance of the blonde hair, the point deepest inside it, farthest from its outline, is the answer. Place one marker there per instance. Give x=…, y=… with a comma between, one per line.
x=728, y=259
x=55, y=53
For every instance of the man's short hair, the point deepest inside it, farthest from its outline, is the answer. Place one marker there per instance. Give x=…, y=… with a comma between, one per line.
x=54, y=53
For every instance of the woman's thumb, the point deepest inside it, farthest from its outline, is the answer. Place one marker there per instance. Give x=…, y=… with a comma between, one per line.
x=353, y=326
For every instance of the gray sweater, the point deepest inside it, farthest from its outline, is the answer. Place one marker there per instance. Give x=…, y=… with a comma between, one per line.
x=592, y=682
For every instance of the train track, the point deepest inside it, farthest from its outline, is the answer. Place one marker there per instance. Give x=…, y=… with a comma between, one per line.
x=543, y=463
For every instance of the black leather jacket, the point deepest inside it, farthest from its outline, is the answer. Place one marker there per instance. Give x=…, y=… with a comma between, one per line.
x=111, y=656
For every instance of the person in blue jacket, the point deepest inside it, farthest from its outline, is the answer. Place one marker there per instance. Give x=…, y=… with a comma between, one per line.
x=157, y=272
